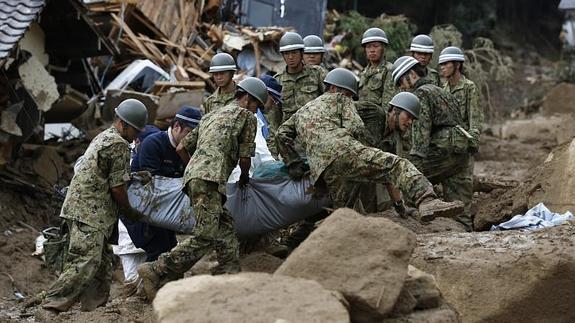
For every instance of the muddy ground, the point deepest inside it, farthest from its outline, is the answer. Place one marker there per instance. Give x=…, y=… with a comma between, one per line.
x=24, y=209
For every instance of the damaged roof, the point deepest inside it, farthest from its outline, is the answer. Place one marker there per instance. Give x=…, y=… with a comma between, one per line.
x=567, y=5
x=15, y=18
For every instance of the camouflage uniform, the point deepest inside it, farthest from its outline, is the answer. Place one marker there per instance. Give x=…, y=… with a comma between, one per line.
x=433, y=75
x=216, y=144
x=217, y=100
x=333, y=133
x=376, y=89
x=91, y=213
x=433, y=136
x=467, y=96
x=300, y=88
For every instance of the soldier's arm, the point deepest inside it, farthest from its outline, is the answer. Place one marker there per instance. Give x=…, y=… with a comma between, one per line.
x=421, y=130
x=247, y=145
x=187, y=146
x=285, y=139
x=115, y=161
x=476, y=116
x=322, y=75
x=354, y=124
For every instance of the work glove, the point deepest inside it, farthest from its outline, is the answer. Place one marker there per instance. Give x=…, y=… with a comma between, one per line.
x=143, y=176
x=244, y=180
x=403, y=210
x=297, y=170
x=134, y=215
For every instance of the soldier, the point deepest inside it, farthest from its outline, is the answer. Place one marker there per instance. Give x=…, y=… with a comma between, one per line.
x=438, y=142
x=333, y=133
x=222, y=68
x=375, y=85
x=403, y=110
x=422, y=50
x=465, y=92
x=313, y=51
x=96, y=196
x=271, y=109
x=222, y=138
x=301, y=82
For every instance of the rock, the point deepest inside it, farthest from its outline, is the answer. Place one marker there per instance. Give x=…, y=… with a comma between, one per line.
x=248, y=297
x=506, y=276
x=260, y=262
x=364, y=258
x=419, y=292
x=438, y=315
x=559, y=100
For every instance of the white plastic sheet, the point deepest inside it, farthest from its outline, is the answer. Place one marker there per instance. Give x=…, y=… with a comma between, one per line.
x=538, y=217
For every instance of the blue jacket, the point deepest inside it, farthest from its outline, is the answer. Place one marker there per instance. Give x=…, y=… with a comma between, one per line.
x=157, y=155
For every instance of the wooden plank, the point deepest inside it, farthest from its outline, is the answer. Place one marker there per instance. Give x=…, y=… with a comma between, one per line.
x=258, y=55
x=131, y=35
x=162, y=86
x=198, y=72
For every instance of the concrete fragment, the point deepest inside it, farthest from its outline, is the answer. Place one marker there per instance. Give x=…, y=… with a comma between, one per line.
x=247, y=297
x=506, y=276
x=364, y=258
x=39, y=83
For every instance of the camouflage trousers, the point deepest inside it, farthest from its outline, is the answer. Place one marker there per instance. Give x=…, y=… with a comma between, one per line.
x=371, y=165
x=87, y=271
x=460, y=187
x=214, y=230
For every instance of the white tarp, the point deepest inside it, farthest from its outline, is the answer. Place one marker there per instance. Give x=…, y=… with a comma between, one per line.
x=538, y=217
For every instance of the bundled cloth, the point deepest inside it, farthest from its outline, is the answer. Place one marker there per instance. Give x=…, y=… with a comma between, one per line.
x=538, y=217
x=269, y=202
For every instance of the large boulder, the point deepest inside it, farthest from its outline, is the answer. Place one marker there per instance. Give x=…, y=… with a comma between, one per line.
x=364, y=258
x=247, y=297
x=506, y=276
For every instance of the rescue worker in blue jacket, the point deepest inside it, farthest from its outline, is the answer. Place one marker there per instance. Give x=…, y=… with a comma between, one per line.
x=157, y=155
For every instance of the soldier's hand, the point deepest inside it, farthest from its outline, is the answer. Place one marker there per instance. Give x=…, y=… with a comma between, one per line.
x=296, y=171
x=244, y=180
x=143, y=176
x=400, y=208
x=134, y=215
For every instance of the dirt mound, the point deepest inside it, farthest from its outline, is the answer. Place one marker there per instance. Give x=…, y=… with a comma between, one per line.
x=359, y=256
x=248, y=297
x=551, y=183
x=507, y=276
x=560, y=100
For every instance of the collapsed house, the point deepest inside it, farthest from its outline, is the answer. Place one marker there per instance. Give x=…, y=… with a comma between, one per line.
x=72, y=61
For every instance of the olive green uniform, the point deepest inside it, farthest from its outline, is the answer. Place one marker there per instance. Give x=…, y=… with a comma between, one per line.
x=217, y=100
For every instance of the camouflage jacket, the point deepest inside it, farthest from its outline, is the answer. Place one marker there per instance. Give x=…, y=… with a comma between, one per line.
x=216, y=145
x=105, y=165
x=467, y=96
x=329, y=126
x=438, y=113
x=217, y=100
x=300, y=88
x=376, y=87
x=433, y=75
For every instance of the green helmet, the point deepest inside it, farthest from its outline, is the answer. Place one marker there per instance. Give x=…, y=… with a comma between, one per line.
x=255, y=87
x=401, y=66
x=222, y=62
x=450, y=54
x=406, y=101
x=342, y=78
x=133, y=112
x=374, y=34
x=313, y=44
x=291, y=41
x=421, y=44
